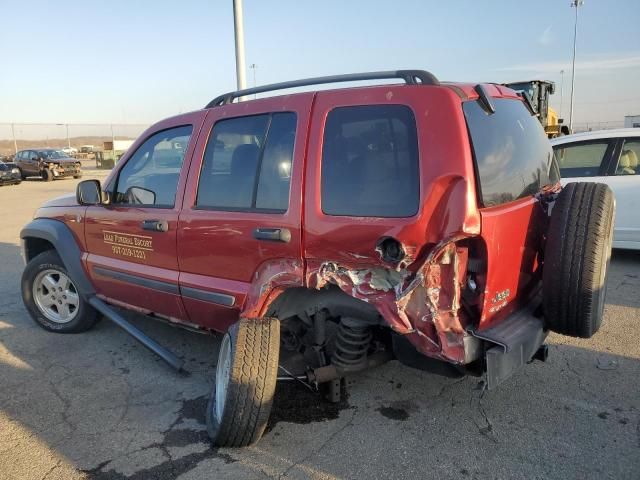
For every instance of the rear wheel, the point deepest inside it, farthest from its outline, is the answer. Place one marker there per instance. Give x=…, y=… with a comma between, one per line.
x=245, y=383
x=577, y=258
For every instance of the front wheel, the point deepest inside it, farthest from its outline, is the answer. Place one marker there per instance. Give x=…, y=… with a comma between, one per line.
x=47, y=175
x=51, y=297
x=245, y=383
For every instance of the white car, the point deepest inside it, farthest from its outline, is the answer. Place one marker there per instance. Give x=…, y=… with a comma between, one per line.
x=611, y=157
x=71, y=151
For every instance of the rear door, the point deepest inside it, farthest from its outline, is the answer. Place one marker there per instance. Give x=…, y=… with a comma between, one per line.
x=240, y=225
x=363, y=178
x=624, y=180
x=29, y=162
x=131, y=243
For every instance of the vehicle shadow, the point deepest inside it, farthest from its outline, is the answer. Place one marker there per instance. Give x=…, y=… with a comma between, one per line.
x=623, y=284
x=99, y=404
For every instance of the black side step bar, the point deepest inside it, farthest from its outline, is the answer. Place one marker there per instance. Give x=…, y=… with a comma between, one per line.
x=136, y=333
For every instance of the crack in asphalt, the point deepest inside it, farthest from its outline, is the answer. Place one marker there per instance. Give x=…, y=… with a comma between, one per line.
x=348, y=424
x=172, y=437
x=56, y=465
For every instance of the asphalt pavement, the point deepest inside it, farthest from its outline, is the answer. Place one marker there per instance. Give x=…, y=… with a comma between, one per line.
x=98, y=405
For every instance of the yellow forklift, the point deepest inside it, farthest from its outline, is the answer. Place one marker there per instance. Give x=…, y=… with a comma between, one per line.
x=537, y=92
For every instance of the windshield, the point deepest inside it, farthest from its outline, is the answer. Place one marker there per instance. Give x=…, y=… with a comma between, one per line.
x=529, y=88
x=52, y=154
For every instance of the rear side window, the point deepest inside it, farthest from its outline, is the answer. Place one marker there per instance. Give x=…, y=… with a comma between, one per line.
x=581, y=160
x=370, y=162
x=247, y=164
x=512, y=153
x=629, y=163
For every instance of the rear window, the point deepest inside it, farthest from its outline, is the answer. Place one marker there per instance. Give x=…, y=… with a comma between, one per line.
x=512, y=153
x=370, y=162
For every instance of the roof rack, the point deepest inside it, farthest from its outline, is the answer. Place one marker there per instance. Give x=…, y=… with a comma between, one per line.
x=411, y=77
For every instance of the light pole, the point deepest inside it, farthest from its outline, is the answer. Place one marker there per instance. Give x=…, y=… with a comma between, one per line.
x=253, y=67
x=577, y=4
x=561, y=91
x=66, y=126
x=13, y=133
x=239, y=35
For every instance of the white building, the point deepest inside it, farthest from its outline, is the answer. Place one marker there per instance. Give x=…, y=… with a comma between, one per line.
x=632, y=121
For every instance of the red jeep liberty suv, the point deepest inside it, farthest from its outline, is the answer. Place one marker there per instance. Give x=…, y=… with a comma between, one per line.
x=326, y=232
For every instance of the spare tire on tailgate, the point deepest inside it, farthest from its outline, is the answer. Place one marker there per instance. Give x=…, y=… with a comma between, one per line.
x=577, y=257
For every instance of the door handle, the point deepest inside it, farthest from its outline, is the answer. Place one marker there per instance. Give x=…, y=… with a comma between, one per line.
x=272, y=234
x=155, y=225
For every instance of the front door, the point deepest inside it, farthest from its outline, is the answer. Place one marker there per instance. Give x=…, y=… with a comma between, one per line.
x=131, y=242
x=240, y=225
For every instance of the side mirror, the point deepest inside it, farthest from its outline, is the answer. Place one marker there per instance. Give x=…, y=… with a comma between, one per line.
x=88, y=192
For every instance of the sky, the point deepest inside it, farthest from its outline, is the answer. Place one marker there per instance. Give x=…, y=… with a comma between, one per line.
x=138, y=61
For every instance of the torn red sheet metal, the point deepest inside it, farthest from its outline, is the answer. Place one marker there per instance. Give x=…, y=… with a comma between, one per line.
x=424, y=304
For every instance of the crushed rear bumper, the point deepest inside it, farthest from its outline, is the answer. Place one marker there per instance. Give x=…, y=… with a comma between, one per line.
x=511, y=344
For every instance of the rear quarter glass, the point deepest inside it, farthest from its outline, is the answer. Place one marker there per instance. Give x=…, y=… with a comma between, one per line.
x=512, y=154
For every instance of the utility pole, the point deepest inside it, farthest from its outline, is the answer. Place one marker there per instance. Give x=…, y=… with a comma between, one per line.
x=561, y=91
x=66, y=126
x=253, y=67
x=577, y=4
x=13, y=133
x=239, y=34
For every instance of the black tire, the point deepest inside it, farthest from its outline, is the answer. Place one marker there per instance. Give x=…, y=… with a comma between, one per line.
x=577, y=258
x=77, y=176
x=250, y=386
x=85, y=316
x=47, y=175
x=22, y=175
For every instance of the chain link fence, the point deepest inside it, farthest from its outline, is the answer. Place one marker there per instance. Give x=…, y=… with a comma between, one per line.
x=20, y=136
x=593, y=126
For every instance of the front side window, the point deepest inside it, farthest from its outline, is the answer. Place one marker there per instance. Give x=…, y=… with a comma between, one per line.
x=150, y=176
x=370, y=162
x=628, y=163
x=512, y=153
x=581, y=160
x=247, y=164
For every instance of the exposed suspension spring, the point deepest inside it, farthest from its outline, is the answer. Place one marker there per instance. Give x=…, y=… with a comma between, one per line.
x=351, y=345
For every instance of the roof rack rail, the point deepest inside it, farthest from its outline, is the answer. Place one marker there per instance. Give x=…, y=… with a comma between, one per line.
x=411, y=77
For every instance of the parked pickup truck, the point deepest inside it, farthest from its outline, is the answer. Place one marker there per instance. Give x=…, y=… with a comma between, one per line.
x=326, y=232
